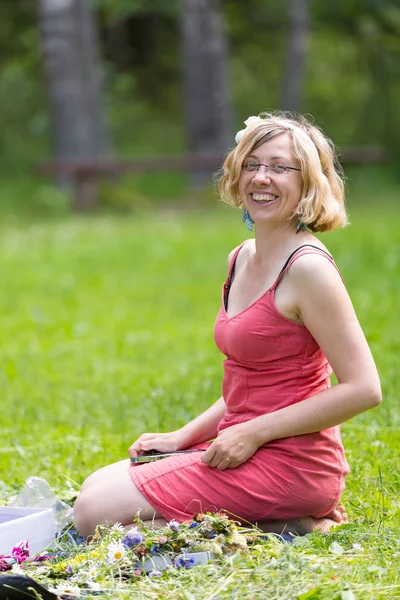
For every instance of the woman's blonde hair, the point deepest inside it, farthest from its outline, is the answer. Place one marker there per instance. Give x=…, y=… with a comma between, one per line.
x=322, y=206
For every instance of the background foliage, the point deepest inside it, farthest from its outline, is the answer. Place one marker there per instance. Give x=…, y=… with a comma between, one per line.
x=352, y=72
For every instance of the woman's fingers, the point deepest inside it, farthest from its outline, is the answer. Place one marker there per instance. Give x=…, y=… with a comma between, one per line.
x=142, y=444
x=162, y=442
x=224, y=464
x=216, y=459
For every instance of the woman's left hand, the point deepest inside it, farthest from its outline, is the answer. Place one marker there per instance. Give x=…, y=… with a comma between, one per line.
x=233, y=446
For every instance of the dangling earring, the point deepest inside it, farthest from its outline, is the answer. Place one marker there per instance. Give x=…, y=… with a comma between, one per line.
x=246, y=218
x=301, y=226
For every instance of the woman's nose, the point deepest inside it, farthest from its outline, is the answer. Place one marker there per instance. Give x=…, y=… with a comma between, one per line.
x=262, y=174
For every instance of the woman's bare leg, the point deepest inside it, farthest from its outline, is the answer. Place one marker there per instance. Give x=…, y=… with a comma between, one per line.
x=110, y=496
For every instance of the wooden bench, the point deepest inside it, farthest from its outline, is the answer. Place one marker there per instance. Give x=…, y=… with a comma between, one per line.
x=85, y=174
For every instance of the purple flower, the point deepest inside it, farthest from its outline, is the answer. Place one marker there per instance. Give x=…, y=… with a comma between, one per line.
x=193, y=525
x=69, y=569
x=173, y=525
x=155, y=548
x=210, y=534
x=155, y=574
x=184, y=563
x=132, y=539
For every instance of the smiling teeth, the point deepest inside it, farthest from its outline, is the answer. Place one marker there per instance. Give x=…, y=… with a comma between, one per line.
x=263, y=197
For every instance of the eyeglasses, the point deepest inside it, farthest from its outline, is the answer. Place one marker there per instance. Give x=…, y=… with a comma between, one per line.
x=251, y=167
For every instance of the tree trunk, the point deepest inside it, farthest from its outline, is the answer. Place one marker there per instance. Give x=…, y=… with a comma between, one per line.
x=299, y=29
x=72, y=65
x=205, y=78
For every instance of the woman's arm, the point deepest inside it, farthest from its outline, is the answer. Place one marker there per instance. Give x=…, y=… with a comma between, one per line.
x=325, y=308
x=204, y=427
x=201, y=429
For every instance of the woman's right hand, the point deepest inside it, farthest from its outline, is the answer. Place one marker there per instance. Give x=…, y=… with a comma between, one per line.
x=162, y=442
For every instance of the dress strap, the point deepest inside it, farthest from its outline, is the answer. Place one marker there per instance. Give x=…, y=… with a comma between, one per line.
x=302, y=251
x=231, y=272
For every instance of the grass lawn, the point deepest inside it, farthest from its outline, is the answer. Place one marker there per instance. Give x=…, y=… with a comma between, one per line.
x=107, y=332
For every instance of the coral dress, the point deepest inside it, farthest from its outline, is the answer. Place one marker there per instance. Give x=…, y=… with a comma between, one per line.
x=271, y=362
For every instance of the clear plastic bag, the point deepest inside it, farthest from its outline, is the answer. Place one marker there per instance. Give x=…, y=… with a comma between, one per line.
x=37, y=493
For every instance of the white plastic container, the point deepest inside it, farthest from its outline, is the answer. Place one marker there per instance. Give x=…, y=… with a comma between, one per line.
x=33, y=524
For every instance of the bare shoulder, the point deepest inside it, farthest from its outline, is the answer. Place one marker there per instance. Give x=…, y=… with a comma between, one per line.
x=314, y=270
x=246, y=246
x=318, y=290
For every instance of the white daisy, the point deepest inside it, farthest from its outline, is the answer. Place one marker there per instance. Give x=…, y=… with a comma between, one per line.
x=117, y=528
x=116, y=552
x=92, y=571
x=66, y=589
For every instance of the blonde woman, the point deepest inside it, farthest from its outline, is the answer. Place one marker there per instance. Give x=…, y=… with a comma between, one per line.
x=276, y=456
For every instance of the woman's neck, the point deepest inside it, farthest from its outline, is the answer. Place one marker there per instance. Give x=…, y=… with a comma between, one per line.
x=276, y=243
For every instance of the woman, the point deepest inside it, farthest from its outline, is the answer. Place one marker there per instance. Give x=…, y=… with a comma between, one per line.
x=277, y=457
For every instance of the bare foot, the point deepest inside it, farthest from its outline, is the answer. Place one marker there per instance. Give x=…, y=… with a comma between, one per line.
x=307, y=524
x=339, y=515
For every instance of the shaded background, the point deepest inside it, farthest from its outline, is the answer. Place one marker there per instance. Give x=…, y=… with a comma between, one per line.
x=114, y=79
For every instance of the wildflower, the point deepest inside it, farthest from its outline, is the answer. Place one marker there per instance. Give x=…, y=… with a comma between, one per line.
x=92, y=571
x=250, y=122
x=117, y=528
x=184, y=563
x=140, y=551
x=69, y=569
x=199, y=517
x=238, y=539
x=138, y=572
x=155, y=549
x=193, y=525
x=209, y=534
x=116, y=552
x=65, y=589
x=173, y=525
x=155, y=574
x=93, y=585
x=215, y=548
x=162, y=540
x=21, y=551
x=43, y=557
x=132, y=538
x=6, y=562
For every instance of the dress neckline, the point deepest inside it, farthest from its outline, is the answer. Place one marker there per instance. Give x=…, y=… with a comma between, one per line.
x=227, y=285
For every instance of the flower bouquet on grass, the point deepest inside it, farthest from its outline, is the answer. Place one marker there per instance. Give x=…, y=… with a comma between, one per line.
x=120, y=556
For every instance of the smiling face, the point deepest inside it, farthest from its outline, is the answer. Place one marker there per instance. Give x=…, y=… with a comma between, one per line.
x=270, y=196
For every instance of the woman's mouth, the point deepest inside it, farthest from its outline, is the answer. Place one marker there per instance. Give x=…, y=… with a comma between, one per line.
x=263, y=198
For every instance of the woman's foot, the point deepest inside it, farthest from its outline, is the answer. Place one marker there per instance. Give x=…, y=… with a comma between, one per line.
x=307, y=524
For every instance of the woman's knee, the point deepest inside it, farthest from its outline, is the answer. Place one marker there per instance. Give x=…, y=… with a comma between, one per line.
x=85, y=517
x=89, y=481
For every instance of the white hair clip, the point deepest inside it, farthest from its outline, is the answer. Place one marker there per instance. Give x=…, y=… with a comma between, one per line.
x=249, y=123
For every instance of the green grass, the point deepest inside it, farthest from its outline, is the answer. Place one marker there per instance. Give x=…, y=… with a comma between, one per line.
x=107, y=332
